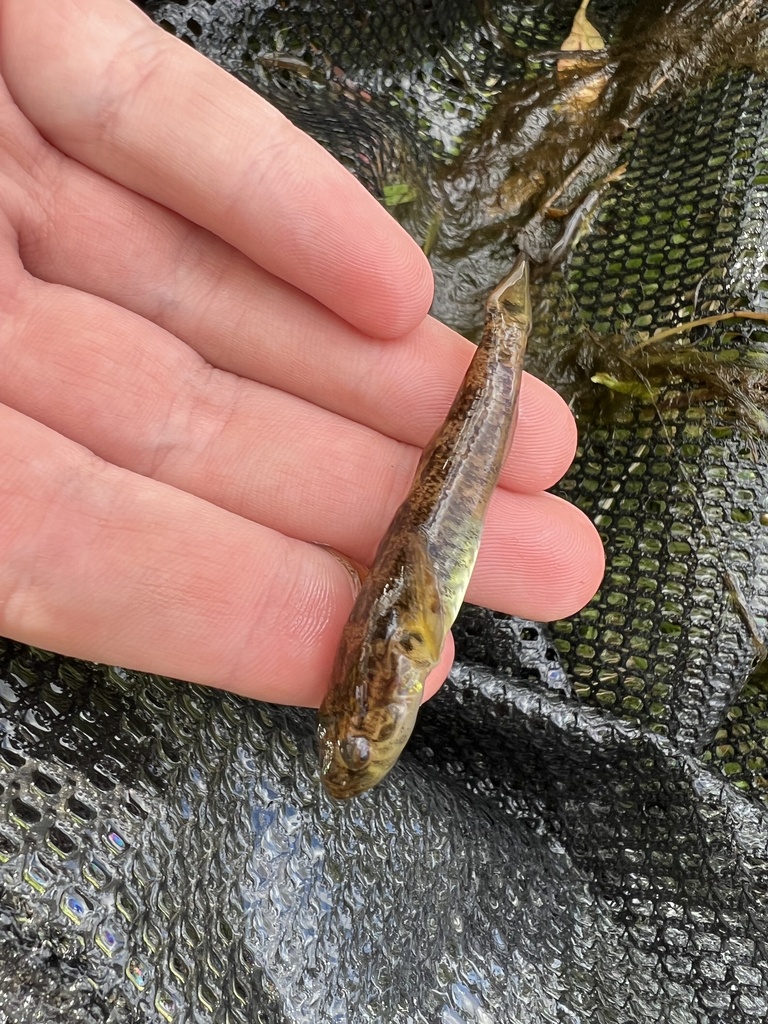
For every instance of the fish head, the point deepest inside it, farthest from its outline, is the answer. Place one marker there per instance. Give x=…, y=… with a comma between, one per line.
x=361, y=744
x=379, y=675
x=389, y=646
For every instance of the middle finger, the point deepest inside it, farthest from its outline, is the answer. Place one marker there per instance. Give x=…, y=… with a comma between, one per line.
x=241, y=319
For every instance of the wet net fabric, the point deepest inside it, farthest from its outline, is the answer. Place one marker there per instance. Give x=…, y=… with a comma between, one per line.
x=577, y=831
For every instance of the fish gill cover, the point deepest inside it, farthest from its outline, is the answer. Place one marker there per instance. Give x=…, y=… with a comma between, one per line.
x=577, y=831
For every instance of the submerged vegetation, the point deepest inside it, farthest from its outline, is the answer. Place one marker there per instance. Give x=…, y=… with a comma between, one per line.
x=531, y=175
x=666, y=369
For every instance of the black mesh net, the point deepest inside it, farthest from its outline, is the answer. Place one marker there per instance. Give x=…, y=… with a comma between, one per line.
x=577, y=831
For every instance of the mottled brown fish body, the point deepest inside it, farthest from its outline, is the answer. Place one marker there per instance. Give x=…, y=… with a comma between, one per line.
x=411, y=597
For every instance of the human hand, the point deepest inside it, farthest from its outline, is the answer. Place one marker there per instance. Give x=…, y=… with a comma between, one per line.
x=214, y=358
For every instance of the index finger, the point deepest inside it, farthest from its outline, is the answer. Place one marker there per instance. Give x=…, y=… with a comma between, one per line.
x=117, y=93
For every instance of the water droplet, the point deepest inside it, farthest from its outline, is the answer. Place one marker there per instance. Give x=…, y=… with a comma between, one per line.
x=74, y=907
x=165, y=1005
x=137, y=973
x=109, y=939
x=116, y=841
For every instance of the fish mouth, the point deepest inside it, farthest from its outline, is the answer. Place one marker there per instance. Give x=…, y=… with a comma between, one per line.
x=341, y=783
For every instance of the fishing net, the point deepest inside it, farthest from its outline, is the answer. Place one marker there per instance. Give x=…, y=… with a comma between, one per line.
x=577, y=831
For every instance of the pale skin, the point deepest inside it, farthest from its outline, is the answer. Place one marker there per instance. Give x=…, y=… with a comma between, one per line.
x=215, y=358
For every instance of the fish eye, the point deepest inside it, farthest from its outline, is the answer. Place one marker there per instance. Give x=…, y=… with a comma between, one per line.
x=355, y=752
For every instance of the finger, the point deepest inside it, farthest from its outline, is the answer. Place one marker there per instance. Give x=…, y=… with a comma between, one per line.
x=141, y=399
x=128, y=100
x=241, y=319
x=102, y=564
x=541, y=557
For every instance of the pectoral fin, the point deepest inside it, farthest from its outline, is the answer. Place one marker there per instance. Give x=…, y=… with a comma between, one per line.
x=422, y=629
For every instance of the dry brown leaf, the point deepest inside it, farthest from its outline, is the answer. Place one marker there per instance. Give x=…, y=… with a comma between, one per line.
x=582, y=37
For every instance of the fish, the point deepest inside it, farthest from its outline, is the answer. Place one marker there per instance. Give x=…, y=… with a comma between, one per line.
x=409, y=600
